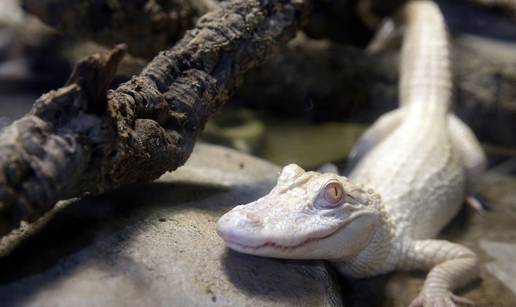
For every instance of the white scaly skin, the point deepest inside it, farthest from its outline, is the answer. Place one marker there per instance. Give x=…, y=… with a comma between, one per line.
x=418, y=158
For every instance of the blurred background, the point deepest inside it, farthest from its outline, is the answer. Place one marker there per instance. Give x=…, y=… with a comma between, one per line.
x=310, y=103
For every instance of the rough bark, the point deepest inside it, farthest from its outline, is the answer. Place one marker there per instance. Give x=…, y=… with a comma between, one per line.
x=75, y=142
x=146, y=26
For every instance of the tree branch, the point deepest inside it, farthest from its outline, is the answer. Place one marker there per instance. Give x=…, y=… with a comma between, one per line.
x=146, y=26
x=73, y=142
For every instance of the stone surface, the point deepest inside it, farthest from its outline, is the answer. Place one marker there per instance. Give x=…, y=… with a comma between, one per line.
x=155, y=245
x=10, y=13
x=503, y=265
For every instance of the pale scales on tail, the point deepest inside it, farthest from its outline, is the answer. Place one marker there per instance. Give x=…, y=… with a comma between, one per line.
x=409, y=183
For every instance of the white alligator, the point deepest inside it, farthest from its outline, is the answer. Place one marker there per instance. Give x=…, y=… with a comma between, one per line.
x=410, y=182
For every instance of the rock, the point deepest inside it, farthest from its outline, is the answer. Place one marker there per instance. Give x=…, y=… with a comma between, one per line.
x=503, y=266
x=10, y=13
x=485, y=74
x=155, y=245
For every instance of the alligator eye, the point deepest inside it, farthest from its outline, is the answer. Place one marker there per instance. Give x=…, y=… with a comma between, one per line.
x=333, y=193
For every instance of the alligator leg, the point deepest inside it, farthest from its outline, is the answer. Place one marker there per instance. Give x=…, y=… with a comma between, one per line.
x=389, y=34
x=384, y=125
x=473, y=156
x=451, y=267
x=467, y=144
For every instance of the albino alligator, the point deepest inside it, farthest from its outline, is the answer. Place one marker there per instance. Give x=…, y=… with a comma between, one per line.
x=409, y=183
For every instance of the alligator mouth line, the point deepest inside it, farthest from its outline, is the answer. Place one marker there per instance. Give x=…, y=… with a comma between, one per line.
x=249, y=248
x=274, y=245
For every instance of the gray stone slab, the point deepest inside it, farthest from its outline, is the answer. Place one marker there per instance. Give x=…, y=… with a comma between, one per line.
x=502, y=267
x=155, y=245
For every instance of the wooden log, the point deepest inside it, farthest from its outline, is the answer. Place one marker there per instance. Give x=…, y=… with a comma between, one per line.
x=74, y=141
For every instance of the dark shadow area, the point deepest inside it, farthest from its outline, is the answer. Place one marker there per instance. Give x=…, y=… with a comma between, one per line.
x=81, y=224
x=255, y=275
x=456, y=229
x=367, y=292
x=464, y=17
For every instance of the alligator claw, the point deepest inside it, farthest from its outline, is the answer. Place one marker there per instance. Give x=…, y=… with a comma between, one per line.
x=447, y=300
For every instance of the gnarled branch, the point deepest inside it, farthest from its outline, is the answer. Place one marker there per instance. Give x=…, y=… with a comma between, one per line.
x=146, y=26
x=75, y=142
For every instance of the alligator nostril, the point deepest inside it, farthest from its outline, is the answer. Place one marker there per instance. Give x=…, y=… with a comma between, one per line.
x=252, y=219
